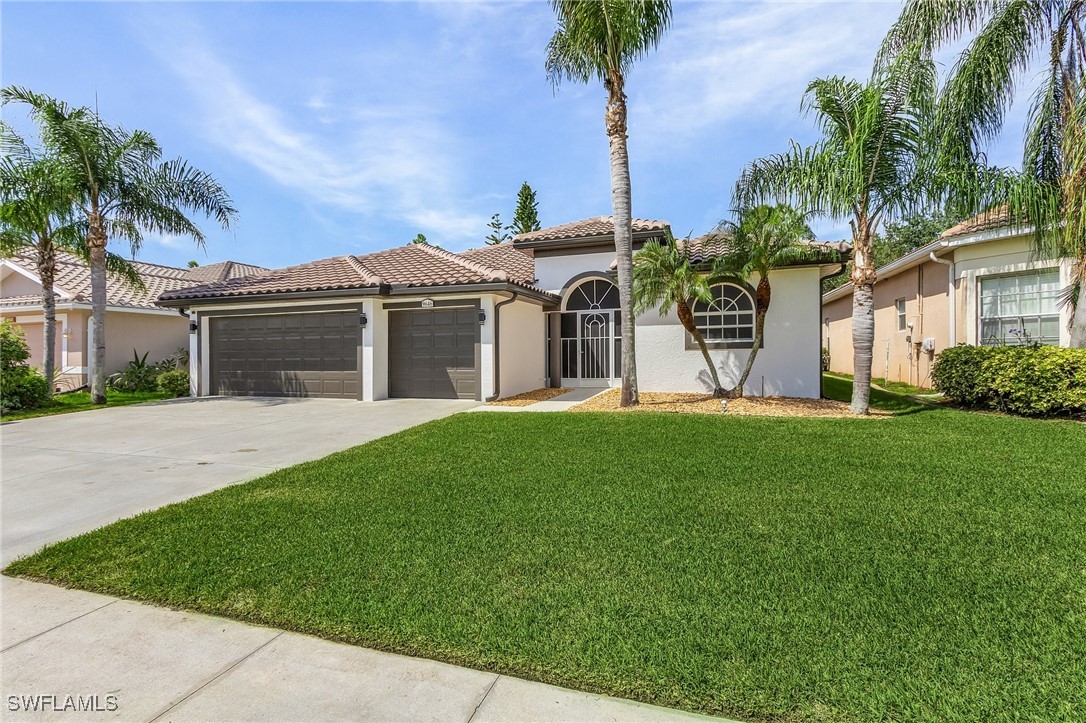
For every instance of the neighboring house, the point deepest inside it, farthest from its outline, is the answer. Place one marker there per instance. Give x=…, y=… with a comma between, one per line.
x=542, y=310
x=979, y=283
x=133, y=320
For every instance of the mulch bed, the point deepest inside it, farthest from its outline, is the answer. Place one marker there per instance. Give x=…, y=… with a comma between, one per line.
x=705, y=404
x=536, y=395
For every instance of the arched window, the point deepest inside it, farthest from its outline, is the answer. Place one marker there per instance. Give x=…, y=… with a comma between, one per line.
x=592, y=294
x=728, y=317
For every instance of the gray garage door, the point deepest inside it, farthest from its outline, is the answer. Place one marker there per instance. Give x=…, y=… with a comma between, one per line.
x=431, y=353
x=286, y=355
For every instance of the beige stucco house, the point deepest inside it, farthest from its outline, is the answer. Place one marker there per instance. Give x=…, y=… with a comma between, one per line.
x=979, y=283
x=134, y=321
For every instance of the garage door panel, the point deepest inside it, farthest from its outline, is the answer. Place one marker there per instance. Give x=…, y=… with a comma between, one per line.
x=286, y=355
x=432, y=353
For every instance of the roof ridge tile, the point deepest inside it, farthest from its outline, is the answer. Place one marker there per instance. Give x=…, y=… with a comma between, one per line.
x=367, y=276
x=492, y=273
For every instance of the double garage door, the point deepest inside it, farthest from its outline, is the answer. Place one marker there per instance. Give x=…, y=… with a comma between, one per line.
x=286, y=355
x=432, y=354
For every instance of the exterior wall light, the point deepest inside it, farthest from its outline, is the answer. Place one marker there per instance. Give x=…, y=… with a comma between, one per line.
x=482, y=316
x=66, y=334
x=362, y=320
x=192, y=327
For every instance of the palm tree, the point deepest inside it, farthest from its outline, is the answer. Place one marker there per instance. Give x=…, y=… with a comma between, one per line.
x=35, y=215
x=764, y=238
x=601, y=40
x=1014, y=40
x=867, y=168
x=122, y=189
x=664, y=275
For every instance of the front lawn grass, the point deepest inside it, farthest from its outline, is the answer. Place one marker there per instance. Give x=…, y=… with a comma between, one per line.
x=834, y=387
x=81, y=402
x=930, y=566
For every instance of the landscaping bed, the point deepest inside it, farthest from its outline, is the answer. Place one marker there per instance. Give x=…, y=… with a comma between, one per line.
x=749, y=567
x=706, y=404
x=528, y=398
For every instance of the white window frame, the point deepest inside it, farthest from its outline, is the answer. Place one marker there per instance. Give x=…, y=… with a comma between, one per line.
x=1039, y=316
x=716, y=309
x=902, y=314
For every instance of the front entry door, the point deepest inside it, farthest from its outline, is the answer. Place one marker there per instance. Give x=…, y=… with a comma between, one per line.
x=590, y=350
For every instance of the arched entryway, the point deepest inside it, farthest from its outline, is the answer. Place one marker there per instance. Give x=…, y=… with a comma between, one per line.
x=590, y=338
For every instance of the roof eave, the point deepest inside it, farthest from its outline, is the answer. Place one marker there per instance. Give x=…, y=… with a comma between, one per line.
x=273, y=295
x=580, y=241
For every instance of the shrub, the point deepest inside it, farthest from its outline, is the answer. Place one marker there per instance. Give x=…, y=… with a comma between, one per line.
x=138, y=376
x=174, y=382
x=1027, y=380
x=21, y=386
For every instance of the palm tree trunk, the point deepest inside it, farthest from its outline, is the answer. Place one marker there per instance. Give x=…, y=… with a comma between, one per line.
x=686, y=318
x=47, y=268
x=1078, y=321
x=621, y=208
x=96, y=244
x=863, y=317
x=761, y=307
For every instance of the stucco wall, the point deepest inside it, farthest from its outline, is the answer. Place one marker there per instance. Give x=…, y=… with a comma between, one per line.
x=522, y=348
x=787, y=365
x=553, y=272
x=159, y=335
x=15, y=284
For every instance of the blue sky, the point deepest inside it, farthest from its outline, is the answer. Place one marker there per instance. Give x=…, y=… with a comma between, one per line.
x=350, y=127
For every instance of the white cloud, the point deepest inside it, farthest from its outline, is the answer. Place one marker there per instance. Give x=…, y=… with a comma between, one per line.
x=398, y=163
x=169, y=241
x=753, y=60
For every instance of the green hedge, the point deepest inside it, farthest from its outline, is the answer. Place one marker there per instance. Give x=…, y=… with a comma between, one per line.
x=1036, y=381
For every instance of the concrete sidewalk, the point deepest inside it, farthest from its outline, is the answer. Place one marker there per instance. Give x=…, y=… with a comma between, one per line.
x=161, y=665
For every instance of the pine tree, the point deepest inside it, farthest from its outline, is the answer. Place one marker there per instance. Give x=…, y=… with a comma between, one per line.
x=526, y=217
x=499, y=232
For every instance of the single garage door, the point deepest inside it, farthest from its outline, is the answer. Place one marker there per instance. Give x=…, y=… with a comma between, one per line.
x=286, y=355
x=431, y=353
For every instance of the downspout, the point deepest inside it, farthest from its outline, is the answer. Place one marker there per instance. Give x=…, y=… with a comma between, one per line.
x=497, y=347
x=951, y=290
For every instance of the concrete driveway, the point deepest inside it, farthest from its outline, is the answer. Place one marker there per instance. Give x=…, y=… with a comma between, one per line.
x=72, y=473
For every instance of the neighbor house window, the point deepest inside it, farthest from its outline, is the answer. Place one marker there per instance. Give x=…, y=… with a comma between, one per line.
x=1021, y=308
x=728, y=317
x=901, y=324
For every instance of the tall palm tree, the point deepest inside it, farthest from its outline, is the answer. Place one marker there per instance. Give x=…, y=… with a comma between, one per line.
x=122, y=189
x=1012, y=40
x=665, y=276
x=868, y=167
x=601, y=40
x=763, y=239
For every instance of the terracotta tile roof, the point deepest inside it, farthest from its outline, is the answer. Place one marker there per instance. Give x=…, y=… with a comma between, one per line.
x=587, y=228
x=73, y=277
x=222, y=271
x=709, y=246
x=519, y=264
x=994, y=218
x=17, y=301
x=410, y=266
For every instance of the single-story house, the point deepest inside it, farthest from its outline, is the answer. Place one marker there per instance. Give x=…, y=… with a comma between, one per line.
x=979, y=283
x=134, y=321
x=541, y=310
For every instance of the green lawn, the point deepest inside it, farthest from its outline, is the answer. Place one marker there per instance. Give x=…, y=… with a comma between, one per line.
x=80, y=402
x=928, y=566
x=891, y=386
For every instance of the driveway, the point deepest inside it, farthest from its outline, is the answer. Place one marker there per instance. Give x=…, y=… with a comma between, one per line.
x=72, y=473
